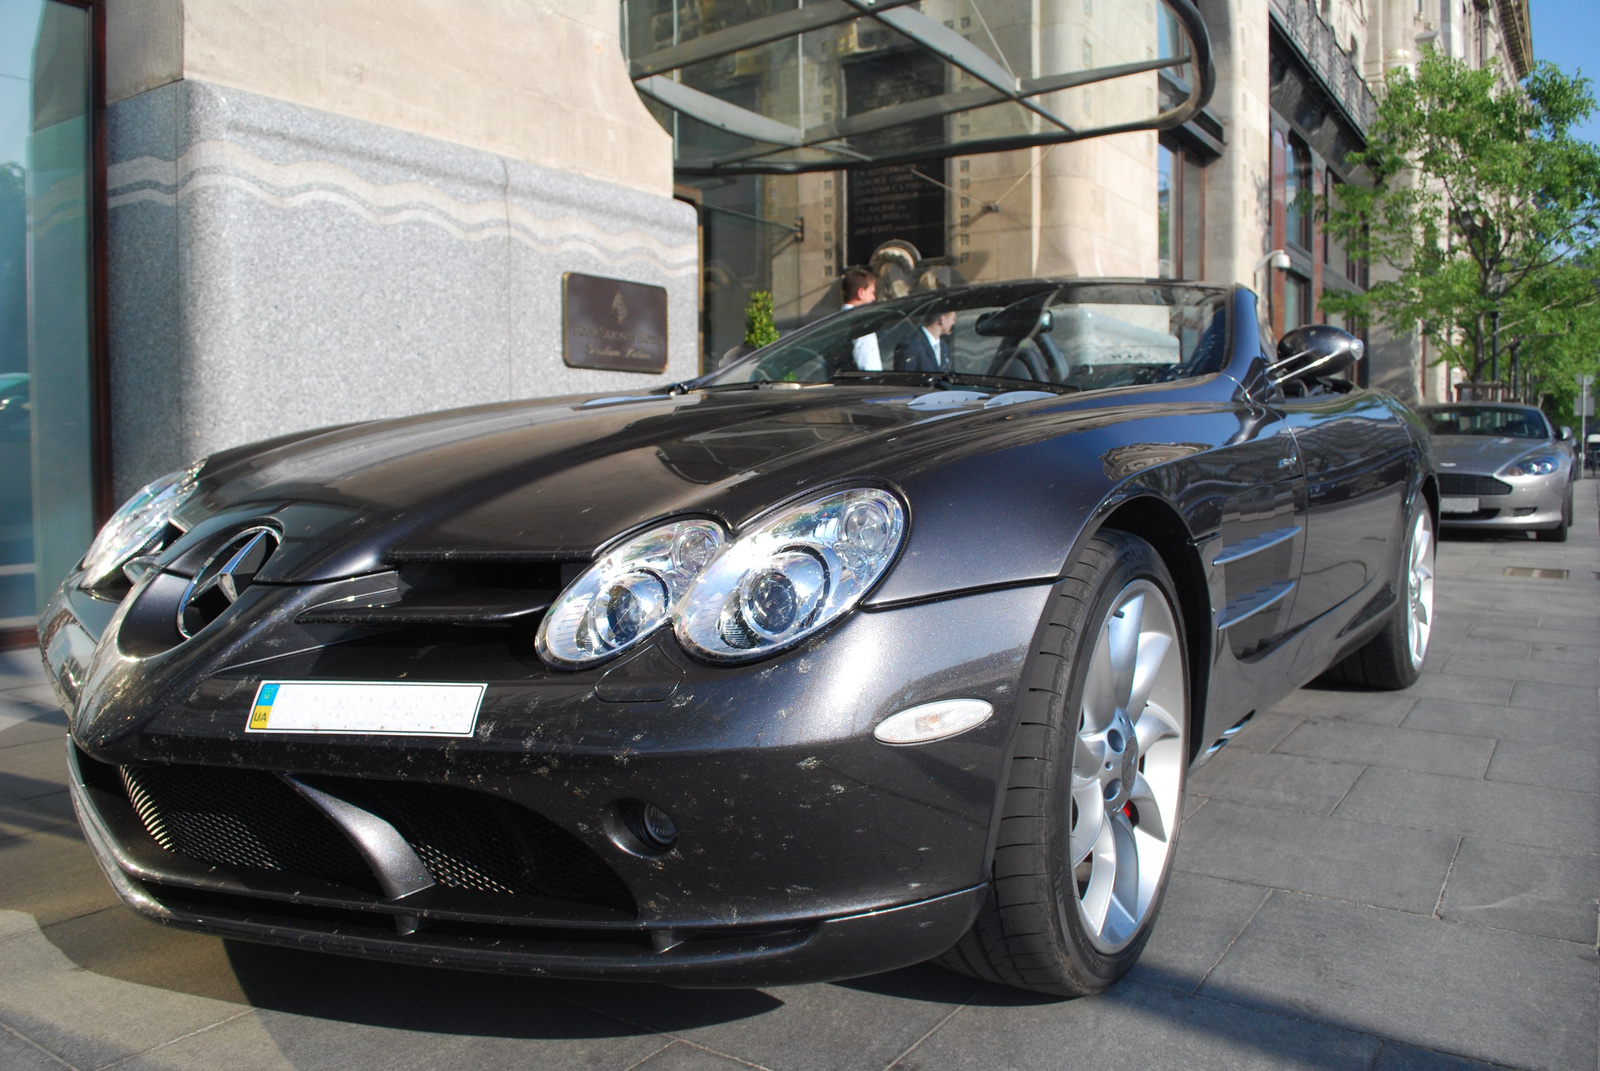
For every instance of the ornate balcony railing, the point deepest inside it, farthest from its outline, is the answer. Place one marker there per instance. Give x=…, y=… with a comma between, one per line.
x=1319, y=47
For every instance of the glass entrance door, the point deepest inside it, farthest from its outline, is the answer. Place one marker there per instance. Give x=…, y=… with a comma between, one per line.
x=46, y=395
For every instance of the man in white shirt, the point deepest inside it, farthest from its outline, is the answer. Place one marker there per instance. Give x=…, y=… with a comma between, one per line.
x=858, y=286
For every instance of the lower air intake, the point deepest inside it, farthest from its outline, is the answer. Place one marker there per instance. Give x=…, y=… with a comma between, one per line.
x=247, y=819
x=482, y=843
x=473, y=841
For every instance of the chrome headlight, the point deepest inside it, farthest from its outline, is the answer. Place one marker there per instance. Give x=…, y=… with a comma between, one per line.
x=137, y=524
x=791, y=575
x=627, y=594
x=1541, y=465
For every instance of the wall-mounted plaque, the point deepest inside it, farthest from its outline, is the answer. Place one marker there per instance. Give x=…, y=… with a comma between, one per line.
x=613, y=324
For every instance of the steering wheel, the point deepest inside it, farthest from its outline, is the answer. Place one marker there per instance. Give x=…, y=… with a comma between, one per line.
x=1019, y=359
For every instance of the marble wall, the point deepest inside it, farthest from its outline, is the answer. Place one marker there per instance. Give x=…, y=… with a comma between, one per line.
x=274, y=267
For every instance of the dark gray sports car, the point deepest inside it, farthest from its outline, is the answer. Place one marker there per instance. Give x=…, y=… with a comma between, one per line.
x=799, y=671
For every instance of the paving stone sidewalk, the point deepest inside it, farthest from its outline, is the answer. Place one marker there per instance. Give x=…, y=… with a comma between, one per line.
x=1366, y=880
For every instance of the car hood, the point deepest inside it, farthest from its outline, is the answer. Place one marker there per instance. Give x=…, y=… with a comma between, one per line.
x=1484, y=453
x=561, y=478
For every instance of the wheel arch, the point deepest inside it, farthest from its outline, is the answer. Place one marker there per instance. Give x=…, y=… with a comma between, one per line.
x=1159, y=524
x=1430, y=492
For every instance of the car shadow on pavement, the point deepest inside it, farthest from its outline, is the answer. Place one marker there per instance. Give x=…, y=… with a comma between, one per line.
x=465, y=1003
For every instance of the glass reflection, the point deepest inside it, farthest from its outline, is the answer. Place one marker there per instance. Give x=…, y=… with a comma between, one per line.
x=46, y=491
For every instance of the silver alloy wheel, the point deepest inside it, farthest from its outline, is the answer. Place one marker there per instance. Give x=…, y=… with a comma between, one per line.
x=1127, y=766
x=1419, y=588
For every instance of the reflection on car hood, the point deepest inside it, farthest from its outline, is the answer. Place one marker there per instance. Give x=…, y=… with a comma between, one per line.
x=1482, y=453
x=561, y=477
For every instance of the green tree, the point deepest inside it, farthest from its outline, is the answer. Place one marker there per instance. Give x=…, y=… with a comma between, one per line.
x=1480, y=202
x=1553, y=328
x=759, y=330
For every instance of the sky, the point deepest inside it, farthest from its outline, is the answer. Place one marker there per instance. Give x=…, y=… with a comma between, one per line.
x=1567, y=33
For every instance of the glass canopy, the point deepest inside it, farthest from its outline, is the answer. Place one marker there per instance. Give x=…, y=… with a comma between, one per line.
x=788, y=86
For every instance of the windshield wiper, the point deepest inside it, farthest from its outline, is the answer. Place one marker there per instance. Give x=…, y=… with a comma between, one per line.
x=710, y=388
x=956, y=379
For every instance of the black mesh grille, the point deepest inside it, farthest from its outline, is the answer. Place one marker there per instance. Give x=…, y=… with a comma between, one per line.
x=474, y=841
x=252, y=819
x=1466, y=483
x=248, y=819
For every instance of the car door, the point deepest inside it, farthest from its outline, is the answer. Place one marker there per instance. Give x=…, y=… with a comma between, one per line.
x=1252, y=558
x=1356, y=455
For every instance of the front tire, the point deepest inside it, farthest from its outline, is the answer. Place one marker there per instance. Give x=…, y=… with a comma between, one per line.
x=1095, y=786
x=1558, y=534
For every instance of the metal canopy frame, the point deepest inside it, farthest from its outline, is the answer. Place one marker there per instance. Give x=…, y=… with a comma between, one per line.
x=652, y=76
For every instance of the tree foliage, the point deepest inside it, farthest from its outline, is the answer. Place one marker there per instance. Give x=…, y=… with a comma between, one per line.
x=1480, y=202
x=759, y=328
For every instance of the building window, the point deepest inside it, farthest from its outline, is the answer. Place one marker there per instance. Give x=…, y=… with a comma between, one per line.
x=1296, y=300
x=1180, y=214
x=1334, y=257
x=1297, y=195
x=1166, y=241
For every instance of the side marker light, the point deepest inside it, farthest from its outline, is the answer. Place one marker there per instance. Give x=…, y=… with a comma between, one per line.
x=933, y=721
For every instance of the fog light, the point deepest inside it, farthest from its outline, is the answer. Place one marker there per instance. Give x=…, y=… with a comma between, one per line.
x=653, y=826
x=933, y=721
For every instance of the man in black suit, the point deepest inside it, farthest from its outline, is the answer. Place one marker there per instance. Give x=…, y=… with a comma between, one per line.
x=927, y=350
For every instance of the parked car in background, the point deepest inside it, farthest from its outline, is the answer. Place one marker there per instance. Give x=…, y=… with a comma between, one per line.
x=794, y=672
x=1502, y=467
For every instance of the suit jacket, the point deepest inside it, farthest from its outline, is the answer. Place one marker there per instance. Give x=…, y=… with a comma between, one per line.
x=914, y=354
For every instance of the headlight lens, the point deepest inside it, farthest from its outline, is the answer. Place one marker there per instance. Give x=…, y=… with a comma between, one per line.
x=137, y=524
x=1542, y=465
x=627, y=594
x=791, y=575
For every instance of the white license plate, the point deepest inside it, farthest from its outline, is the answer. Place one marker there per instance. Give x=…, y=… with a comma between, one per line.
x=1458, y=505
x=362, y=707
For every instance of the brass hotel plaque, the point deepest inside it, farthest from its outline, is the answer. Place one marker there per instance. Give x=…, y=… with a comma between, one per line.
x=613, y=324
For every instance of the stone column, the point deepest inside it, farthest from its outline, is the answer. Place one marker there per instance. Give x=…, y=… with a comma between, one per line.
x=1097, y=205
x=324, y=213
x=1238, y=184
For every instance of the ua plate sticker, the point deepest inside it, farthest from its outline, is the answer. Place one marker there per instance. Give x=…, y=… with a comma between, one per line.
x=363, y=707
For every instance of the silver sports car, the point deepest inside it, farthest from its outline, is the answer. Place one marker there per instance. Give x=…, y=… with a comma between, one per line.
x=1501, y=467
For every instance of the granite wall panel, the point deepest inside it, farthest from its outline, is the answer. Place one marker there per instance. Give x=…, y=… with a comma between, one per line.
x=276, y=268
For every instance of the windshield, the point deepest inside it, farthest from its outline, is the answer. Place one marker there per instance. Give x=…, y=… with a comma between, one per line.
x=1056, y=336
x=1487, y=420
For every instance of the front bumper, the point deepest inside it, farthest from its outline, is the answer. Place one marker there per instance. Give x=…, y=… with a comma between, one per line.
x=807, y=850
x=1533, y=502
x=217, y=903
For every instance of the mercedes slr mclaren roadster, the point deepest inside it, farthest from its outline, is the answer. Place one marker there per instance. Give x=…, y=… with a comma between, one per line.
x=798, y=671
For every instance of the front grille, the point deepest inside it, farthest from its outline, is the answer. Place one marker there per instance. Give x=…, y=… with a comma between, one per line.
x=482, y=843
x=248, y=819
x=1471, y=484
x=253, y=820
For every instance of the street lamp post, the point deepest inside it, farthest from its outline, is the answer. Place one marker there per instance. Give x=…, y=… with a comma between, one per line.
x=1585, y=381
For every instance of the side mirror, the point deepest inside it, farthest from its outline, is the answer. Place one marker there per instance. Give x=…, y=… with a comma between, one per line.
x=1314, y=350
x=1566, y=433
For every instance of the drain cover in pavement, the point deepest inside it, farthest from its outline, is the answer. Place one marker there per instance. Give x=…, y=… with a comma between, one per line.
x=1539, y=574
